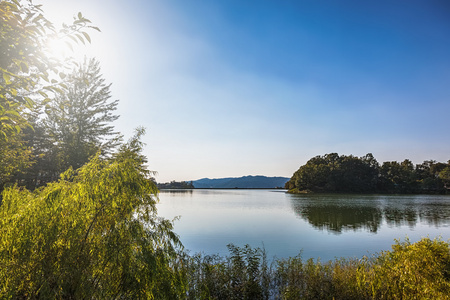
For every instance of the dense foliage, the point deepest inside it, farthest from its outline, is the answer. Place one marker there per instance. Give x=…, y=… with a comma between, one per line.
x=93, y=234
x=27, y=69
x=53, y=114
x=73, y=127
x=410, y=271
x=351, y=174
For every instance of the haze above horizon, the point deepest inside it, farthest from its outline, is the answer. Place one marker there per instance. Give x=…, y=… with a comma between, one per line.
x=234, y=88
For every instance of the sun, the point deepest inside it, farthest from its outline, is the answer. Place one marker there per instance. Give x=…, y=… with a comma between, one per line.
x=58, y=49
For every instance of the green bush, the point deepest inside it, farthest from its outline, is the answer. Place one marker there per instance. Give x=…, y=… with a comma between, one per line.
x=410, y=271
x=92, y=234
x=242, y=275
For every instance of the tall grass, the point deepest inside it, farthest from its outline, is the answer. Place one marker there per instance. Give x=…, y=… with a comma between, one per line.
x=418, y=270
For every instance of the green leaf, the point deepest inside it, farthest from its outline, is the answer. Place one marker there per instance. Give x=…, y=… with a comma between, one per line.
x=7, y=78
x=30, y=102
x=5, y=136
x=43, y=76
x=95, y=28
x=57, y=90
x=80, y=38
x=43, y=94
x=12, y=113
x=87, y=36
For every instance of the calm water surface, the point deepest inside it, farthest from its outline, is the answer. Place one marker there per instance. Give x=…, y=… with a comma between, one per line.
x=324, y=226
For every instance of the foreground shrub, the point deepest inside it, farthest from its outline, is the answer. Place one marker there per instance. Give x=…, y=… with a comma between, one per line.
x=94, y=234
x=242, y=275
x=410, y=271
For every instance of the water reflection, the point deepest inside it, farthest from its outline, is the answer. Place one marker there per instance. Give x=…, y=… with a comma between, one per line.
x=176, y=191
x=340, y=213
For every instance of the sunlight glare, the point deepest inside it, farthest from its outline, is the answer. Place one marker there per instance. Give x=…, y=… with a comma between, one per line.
x=59, y=49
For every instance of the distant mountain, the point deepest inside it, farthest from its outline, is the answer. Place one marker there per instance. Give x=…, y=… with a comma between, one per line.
x=246, y=182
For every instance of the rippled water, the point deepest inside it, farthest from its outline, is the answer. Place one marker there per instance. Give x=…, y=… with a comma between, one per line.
x=324, y=226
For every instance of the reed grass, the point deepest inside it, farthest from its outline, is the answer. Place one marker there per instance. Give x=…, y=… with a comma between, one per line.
x=418, y=270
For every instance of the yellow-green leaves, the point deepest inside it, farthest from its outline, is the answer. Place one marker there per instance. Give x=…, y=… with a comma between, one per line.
x=6, y=78
x=81, y=236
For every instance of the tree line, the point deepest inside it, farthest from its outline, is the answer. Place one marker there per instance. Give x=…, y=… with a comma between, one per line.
x=176, y=185
x=350, y=174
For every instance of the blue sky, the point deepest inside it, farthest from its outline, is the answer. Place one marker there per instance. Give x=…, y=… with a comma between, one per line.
x=233, y=88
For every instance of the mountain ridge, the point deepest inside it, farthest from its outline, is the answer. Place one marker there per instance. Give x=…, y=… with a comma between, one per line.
x=243, y=182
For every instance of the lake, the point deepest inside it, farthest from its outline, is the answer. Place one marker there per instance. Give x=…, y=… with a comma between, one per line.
x=321, y=225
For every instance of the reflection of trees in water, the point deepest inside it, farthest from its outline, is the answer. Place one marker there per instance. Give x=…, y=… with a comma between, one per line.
x=176, y=191
x=342, y=218
x=427, y=211
x=435, y=214
x=400, y=216
x=342, y=213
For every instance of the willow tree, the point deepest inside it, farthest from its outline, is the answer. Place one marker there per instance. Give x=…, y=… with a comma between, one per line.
x=94, y=234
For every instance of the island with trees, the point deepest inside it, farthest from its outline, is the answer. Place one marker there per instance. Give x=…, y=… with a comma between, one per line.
x=334, y=173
